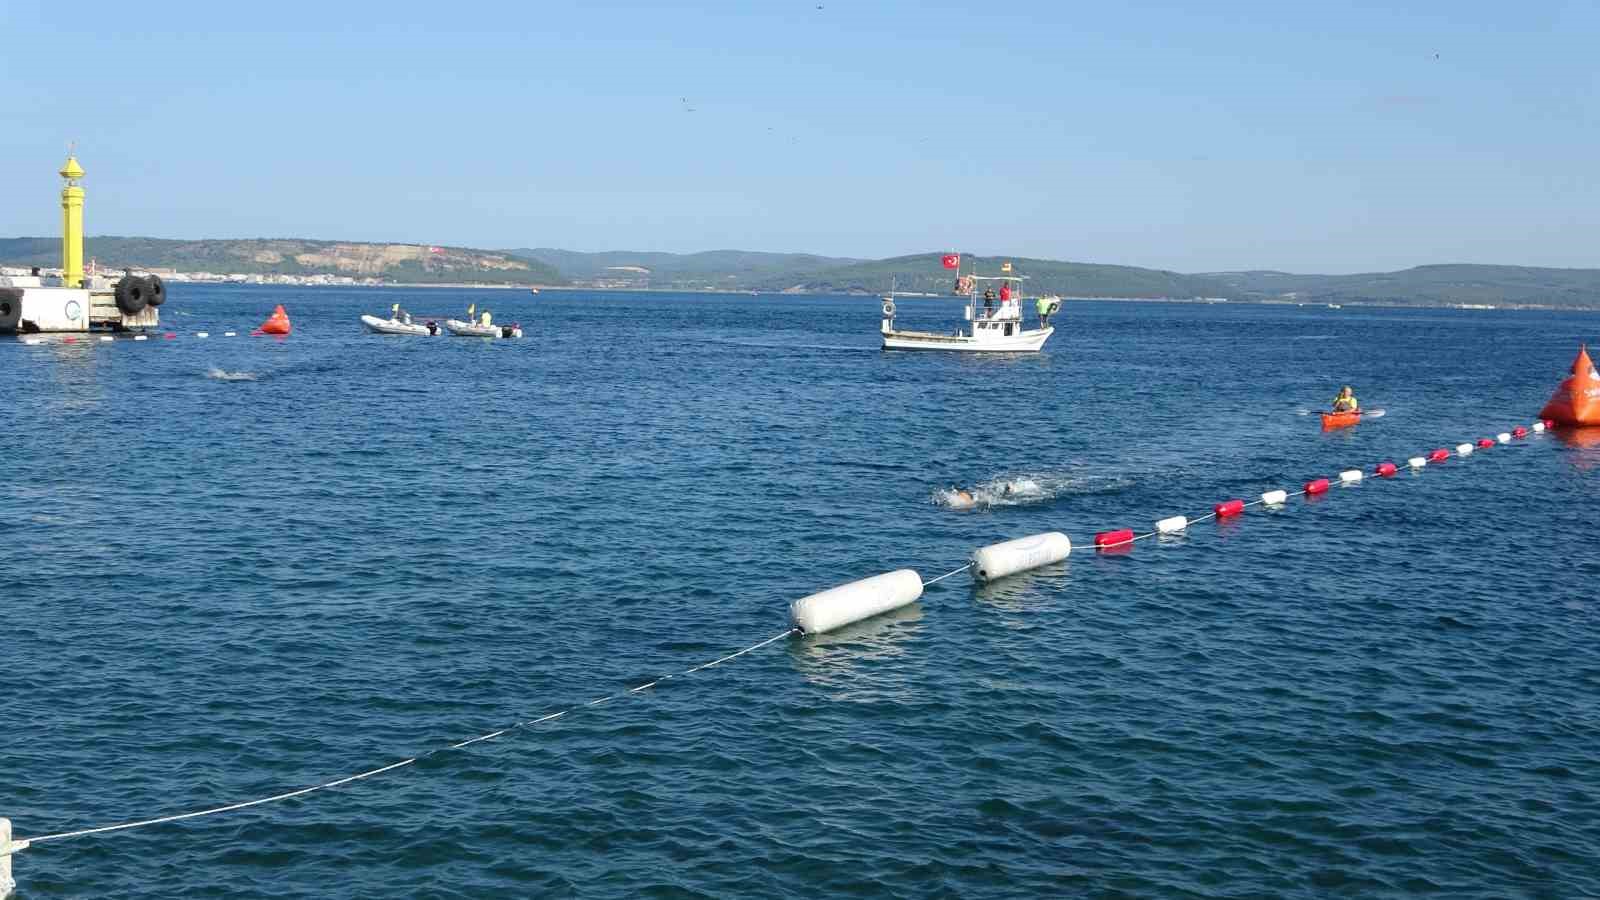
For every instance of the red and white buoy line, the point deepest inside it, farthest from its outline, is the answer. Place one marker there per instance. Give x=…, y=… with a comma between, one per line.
x=1124, y=537
x=817, y=613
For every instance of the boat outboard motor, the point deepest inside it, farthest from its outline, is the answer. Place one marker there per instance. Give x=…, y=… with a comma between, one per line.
x=433, y=327
x=506, y=330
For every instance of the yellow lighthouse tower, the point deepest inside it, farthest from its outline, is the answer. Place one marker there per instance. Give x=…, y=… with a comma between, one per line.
x=72, y=224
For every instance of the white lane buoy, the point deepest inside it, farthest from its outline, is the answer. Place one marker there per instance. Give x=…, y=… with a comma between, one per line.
x=140, y=337
x=1503, y=437
x=230, y=334
x=1463, y=449
x=1350, y=476
x=1020, y=555
x=31, y=341
x=849, y=603
x=106, y=338
x=1417, y=462
x=1172, y=524
x=1275, y=498
x=202, y=334
x=1538, y=426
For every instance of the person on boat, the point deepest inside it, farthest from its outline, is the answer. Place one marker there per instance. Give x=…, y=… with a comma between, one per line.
x=988, y=301
x=1346, y=401
x=1005, y=292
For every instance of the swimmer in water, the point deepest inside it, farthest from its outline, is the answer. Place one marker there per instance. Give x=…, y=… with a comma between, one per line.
x=961, y=498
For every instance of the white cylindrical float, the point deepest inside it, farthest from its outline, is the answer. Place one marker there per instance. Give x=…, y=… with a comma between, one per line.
x=140, y=337
x=1172, y=525
x=850, y=603
x=1275, y=498
x=1350, y=476
x=1538, y=426
x=1020, y=555
x=202, y=334
x=1417, y=462
x=1463, y=449
x=106, y=338
x=1503, y=437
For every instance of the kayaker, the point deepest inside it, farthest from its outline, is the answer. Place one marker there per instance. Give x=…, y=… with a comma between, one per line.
x=1346, y=401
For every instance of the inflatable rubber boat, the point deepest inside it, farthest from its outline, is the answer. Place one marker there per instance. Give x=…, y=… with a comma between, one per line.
x=399, y=326
x=482, y=329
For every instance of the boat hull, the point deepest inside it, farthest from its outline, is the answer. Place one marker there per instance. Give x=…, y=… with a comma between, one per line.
x=1331, y=421
x=390, y=326
x=1024, y=342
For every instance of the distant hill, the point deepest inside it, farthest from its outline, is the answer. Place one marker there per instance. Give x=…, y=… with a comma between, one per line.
x=1424, y=286
x=1435, y=285
x=414, y=263
x=924, y=272
x=710, y=270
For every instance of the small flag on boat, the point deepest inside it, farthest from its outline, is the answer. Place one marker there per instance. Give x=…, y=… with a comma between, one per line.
x=952, y=260
x=472, y=310
x=1005, y=267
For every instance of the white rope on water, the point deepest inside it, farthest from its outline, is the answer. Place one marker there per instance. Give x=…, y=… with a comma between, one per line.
x=947, y=575
x=22, y=844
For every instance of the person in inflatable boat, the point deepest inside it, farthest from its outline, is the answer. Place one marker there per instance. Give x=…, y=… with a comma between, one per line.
x=1346, y=401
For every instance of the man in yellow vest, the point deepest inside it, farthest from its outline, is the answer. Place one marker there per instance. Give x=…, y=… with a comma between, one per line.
x=1346, y=401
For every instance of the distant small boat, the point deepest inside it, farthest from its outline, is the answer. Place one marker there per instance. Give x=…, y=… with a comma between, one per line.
x=399, y=326
x=533, y=290
x=1335, y=306
x=482, y=329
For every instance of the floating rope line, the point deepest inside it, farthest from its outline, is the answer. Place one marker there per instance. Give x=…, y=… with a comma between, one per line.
x=947, y=575
x=23, y=844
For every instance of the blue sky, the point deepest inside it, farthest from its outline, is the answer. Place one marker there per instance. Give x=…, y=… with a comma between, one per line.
x=1196, y=137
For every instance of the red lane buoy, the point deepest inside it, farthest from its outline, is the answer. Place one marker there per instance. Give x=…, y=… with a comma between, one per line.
x=69, y=340
x=1519, y=431
x=1549, y=423
x=1439, y=455
x=1320, y=486
x=1385, y=470
x=1106, y=539
x=169, y=336
x=1228, y=508
x=1484, y=443
x=277, y=323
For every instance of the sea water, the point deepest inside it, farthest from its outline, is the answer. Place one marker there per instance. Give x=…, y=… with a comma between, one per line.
x=236, y=566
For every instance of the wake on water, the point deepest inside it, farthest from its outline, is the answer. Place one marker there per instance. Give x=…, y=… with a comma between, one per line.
x=1030, y=489
x=225, y=375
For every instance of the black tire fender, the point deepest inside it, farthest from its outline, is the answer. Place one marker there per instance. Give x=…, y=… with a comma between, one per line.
x=131, y=295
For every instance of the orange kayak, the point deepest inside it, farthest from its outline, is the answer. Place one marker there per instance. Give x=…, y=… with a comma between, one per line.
x=1340, y=419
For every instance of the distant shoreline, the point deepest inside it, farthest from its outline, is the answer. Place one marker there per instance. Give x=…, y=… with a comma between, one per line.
x=1192, y=301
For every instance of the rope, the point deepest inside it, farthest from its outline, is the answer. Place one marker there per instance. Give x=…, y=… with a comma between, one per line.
x=22, y=844
x=947, y=575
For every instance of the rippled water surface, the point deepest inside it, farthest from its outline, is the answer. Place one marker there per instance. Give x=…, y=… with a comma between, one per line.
x=236, y=566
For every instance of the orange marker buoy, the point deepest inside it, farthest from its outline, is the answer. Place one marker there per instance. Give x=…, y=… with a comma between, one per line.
x=277, y=323
x=1577, y=400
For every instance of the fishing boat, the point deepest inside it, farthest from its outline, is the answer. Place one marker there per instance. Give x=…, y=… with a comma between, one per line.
x=997, y=325
x=399, y=325
x=1332, y=420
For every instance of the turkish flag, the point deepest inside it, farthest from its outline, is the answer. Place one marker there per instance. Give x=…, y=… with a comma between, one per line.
x=952, y=260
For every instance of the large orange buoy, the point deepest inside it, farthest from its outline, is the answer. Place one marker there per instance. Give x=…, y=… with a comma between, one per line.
x=277, y=323
x=1577, y=400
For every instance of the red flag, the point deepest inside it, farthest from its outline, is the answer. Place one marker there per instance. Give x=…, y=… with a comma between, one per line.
x=952, y=260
